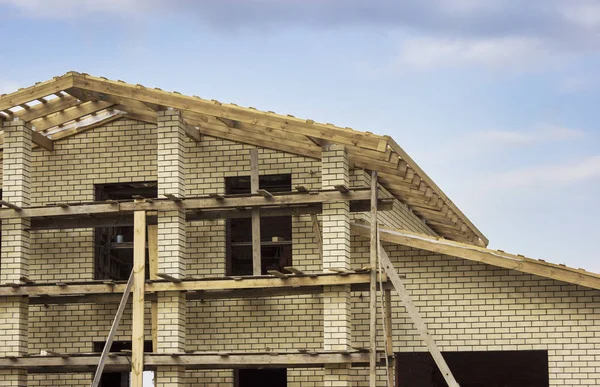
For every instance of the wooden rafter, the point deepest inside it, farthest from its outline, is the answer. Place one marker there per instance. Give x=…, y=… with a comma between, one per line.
x=36, y=91
x=484, y=255
x=70, y=114
x=228, y=111
x=52, y=106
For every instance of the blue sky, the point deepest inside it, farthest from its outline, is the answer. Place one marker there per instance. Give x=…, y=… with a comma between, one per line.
x=496, y=100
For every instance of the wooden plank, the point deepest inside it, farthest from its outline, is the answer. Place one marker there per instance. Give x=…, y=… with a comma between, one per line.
x=487, y=256
x=42, y=141
x=112, y=333
x=69, y=114
x=373, y=284
x=254, y=187
x=36, y=91
x=389, y=338
x=318, y=235
x=209, y=360
x=137, y=315
x=96, y=287
x=52, y=106
x=121, y=220
x=192, y=132
x=415, y=316
x=232, y=112
x=203, y=203
x=153, y=275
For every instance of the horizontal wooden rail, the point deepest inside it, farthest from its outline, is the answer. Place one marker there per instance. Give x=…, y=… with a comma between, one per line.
x=123, y=220
x=99, y=287
x=195, y=203
x=212, y=360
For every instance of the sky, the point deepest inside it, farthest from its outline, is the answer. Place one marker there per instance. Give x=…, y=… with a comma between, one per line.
x=496, y=100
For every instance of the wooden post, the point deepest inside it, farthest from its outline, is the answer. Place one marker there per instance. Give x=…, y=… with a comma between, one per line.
x=318, y=235
x=153, y=261
x=373, y=285
x=389, y=348
x=254, y=186
x=112, y=333
x=413, y=313
x=137, y=332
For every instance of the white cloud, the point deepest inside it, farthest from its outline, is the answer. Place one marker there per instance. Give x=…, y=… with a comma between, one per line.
x=516, y=53
x=71, y=8
x=540, y=133
x=556, y=175
x=583, y=13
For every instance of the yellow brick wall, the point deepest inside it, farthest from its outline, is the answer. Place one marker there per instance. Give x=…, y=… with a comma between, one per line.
x=469, y=307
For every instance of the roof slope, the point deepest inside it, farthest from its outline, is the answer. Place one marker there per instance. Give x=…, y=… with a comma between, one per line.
x=496, y=258
x=74, y=102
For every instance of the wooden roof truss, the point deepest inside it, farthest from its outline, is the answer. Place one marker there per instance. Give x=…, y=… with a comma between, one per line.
x=75, y=102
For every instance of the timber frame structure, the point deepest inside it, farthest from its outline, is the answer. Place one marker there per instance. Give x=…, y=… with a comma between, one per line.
x=69, y=105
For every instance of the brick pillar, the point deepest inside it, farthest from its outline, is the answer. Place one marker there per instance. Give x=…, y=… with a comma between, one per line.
x=171, y=243
x=14, y=256
x=336, y=254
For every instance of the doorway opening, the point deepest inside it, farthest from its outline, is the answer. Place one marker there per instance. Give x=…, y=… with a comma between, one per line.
x=475, y=369
x=265, y=377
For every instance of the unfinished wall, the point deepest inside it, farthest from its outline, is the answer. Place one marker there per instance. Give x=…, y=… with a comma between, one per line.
x=468, y=307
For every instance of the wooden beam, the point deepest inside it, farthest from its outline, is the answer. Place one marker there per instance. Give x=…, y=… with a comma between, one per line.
x=254, y=187
x=209, y=360
x=202, y=295
x=389, y=337
x=42, y=141
x=49, y=107
x=69, y=114
x=232, y=112
x=137, y=315
x=97, y=287
x=481, y=254
x=318, y=235
x=153, y=275
x=373, y=285
x=203, y=203
x=415, y=316
x=112, y=333
x=193, y=132
x=36, y=91
x=122, y=220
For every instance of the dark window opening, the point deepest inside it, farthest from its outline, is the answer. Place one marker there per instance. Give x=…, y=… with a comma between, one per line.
x=275, y=232
x=118, y=379
x=114, y=245
x=475, y=369
x=266, y=377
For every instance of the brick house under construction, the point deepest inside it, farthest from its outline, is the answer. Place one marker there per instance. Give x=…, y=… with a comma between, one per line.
x=215, y=245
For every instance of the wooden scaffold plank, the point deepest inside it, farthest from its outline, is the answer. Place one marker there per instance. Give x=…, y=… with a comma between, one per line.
x=137, y=331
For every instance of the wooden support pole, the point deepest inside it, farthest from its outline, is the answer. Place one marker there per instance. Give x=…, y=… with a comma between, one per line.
x=112, y=333
x=389, y=339
x=153, y=261
x=254, y=187
x=413, y=313
x=318, y=235
x=137, y=332
x=373, y=285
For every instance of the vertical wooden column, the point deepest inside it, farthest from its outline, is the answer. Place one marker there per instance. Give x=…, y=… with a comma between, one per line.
x=14, y=256
x=172, y=254
x=139, y=277
x=336, y=255
x=153, y=275
x=254, y=186
x=389, y=343
x=373, y=285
